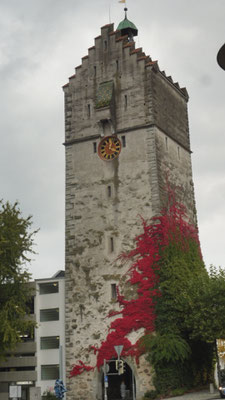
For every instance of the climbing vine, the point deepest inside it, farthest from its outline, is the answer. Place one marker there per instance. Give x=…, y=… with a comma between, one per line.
x=166, y=257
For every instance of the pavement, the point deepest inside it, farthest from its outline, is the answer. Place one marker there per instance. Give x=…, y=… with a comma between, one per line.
x=201, y=395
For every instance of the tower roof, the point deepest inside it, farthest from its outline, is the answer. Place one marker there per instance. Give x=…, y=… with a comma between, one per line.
x=127, y=27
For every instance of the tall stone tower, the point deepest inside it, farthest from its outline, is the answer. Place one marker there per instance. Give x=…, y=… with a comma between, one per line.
x=126, y=130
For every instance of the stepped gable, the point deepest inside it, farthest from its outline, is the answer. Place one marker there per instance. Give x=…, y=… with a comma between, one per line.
x=141, y=56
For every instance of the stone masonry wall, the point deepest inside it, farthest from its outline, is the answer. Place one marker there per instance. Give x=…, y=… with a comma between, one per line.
x=104, y=200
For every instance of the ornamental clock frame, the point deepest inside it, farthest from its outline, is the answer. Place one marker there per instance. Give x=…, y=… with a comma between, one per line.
x=109, y=148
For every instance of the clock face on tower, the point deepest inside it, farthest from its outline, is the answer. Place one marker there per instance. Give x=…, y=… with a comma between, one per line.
x=109, y=148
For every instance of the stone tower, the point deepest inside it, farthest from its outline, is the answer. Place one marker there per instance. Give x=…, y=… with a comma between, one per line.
x=126, y=130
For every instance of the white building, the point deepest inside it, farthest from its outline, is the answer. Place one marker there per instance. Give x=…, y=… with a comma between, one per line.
x=39, y=360
x=50, y=331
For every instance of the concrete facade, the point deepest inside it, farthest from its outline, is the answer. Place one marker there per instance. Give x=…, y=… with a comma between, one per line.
x=50, y=329
x=24, y=366
x=148, y=113
x=19, y=368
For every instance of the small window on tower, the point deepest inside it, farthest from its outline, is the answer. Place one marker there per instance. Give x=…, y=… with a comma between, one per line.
x=105, y=45
x=81, y=312
x=109, y=191
x=95, y=70
x=89, y=110
x=113, y=291
x=94, y=147
x=111, y=244
x=123, y=141
x=125, y=101
x=117, y=65
x=166, y=141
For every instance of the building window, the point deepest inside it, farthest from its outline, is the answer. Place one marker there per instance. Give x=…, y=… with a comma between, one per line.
x=111, y=244
x=117, y=65
x=113, y=291
x=51, y=314
x=49, y=372
x=95, y=70
x=125, y=101
x=105, y=44
x=49, y=287
x=123, y=141
x=27, y=336
x=166, y=141
x=109, y=191
x=81, y=312
x=49, y=342
x=89, y=110
x=94, y=147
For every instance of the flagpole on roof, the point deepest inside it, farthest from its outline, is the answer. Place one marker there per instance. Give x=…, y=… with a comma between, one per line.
x=109, y=14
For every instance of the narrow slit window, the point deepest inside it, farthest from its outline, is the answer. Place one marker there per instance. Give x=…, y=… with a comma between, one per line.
x=113, y=291
x=95, y=70
x=117, y=65
x=111, y=244
x=105, y=45
x=94, y=147
x=89, y=110
x=81, y=312
x=109, y=191
x=123, y=141
x=125, y=101
x=166, y=141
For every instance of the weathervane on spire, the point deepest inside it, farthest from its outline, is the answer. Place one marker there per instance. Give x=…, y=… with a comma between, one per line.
x=127, y=27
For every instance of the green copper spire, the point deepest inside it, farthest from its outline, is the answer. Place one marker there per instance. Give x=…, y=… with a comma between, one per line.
x=127, y=27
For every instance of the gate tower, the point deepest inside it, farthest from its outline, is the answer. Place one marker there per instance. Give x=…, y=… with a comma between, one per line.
x=126, y=128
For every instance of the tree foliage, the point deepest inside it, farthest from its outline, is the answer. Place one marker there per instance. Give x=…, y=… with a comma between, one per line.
x=166, y=347
x=16, y=246
x=205, y=306
x=189, y=312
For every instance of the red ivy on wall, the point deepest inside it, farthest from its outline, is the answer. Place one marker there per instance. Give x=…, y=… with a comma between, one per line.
x=144, y=274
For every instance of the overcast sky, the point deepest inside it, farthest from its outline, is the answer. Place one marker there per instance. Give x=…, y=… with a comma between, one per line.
x=42, y=41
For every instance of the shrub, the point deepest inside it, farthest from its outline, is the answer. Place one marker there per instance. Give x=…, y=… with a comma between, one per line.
x=150, y=394
x=48, y=395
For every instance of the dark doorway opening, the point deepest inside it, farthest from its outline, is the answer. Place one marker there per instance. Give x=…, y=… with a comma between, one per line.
x=114, y=382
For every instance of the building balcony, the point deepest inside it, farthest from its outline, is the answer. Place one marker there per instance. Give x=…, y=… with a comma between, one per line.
x=25, y=347
x=21, y=361
x=15, y=376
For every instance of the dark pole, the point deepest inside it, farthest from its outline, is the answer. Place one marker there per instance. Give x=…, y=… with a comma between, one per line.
x=218, y=363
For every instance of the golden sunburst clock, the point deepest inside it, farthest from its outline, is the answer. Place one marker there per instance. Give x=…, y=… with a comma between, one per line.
x=109, y=148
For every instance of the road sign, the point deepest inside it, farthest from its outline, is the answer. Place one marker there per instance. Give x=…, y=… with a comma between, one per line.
x=14, y=391
x=118, y=349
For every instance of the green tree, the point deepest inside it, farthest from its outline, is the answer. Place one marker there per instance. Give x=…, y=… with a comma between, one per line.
x=182, y=347
x=205, y=306
x=16, y=245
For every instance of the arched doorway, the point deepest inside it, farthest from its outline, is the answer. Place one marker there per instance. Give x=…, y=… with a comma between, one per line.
x=115, y=380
